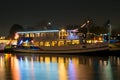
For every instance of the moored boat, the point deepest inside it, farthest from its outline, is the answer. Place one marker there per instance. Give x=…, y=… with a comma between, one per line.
x=58, y=41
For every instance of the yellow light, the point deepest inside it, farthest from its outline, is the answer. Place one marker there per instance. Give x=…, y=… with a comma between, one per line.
x=88, y=21
x=16, y=36
x=95, y=41
x=100, y=38
x=32, y=41
x=63, y=30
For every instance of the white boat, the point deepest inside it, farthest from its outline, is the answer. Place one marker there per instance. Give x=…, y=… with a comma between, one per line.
x=57, y=41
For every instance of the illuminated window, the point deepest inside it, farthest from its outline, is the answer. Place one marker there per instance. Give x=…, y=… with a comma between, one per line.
x=42, y=34
x=31, y=34
x=22, y=35
x=27, y=35
x=75, y=42
x=68, y=42
x=60, y=43
x=47, y=43
x=36, y=43
x=100, y=38
x=89, y=41
x=26, y=44
x=37, y=34
x=54, y=43
x=84, y=41
x=41, y=43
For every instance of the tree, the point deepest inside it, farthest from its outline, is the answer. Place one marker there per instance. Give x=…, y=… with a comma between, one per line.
x=14, y=28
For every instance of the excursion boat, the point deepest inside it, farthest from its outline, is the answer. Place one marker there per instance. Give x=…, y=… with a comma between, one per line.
x=58, y=41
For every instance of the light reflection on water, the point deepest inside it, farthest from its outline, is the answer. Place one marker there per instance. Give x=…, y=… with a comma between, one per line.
x=58, y=67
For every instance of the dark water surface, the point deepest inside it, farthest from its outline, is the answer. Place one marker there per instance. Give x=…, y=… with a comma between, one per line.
x=58, y=67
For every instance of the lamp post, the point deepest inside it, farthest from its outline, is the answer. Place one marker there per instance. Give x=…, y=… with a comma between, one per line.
x=110, y=29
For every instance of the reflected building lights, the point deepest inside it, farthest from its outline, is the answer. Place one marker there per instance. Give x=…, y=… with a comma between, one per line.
x=15, y=68
x=31, y=60
x=41, y=59
x=26, y=60
x=75, y=60
x=1, y=62
x=57, y=67
x=21, y=59
x=105, y=63
x=62, y=71
x=2, y=68
x=108, y=72
x=47, y=59
x=32, y=69
x=118, y=60
x=115, y=60
x=90, y=61
x=54, y=59
x=72, y=71
x=27, y=63
x=37, y=59
x=60, y=60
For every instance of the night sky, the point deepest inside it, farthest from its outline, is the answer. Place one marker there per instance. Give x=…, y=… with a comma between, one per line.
x=59, y=12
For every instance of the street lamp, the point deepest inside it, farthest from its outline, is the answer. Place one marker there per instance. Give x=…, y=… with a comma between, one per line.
x=110, y=29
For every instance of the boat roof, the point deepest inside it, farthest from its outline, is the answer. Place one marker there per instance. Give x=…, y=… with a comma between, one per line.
x=40, y=31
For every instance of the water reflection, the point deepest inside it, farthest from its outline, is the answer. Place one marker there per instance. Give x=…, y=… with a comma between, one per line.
x=58, y=67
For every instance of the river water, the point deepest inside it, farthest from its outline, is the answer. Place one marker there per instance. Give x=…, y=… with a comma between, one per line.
x=58, y=67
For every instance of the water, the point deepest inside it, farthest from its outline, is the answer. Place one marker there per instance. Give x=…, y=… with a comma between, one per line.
x=58, y=67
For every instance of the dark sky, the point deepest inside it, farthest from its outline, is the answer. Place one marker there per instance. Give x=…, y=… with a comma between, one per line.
x=59, y=12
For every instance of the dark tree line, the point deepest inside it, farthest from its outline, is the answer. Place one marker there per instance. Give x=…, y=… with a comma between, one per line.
x=14, y=28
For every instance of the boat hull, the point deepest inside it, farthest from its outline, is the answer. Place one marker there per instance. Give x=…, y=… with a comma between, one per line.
x=84, y=50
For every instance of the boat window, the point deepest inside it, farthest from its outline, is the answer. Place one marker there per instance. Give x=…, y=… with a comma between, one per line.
x=41, y=43
x=68, y=42
x=54, y=43
x=36, y=43
x=37, y=34
x=27, y=35
x=75, y=42
x=89, y=41
x=26, y=43
x=32, y=35
x=60, y=43
x=41, y=34
x=47, y=43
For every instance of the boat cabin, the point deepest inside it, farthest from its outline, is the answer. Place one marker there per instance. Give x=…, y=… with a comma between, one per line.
x=47, y=38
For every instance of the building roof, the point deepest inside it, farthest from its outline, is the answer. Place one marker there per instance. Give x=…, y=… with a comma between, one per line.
x=40, y=31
